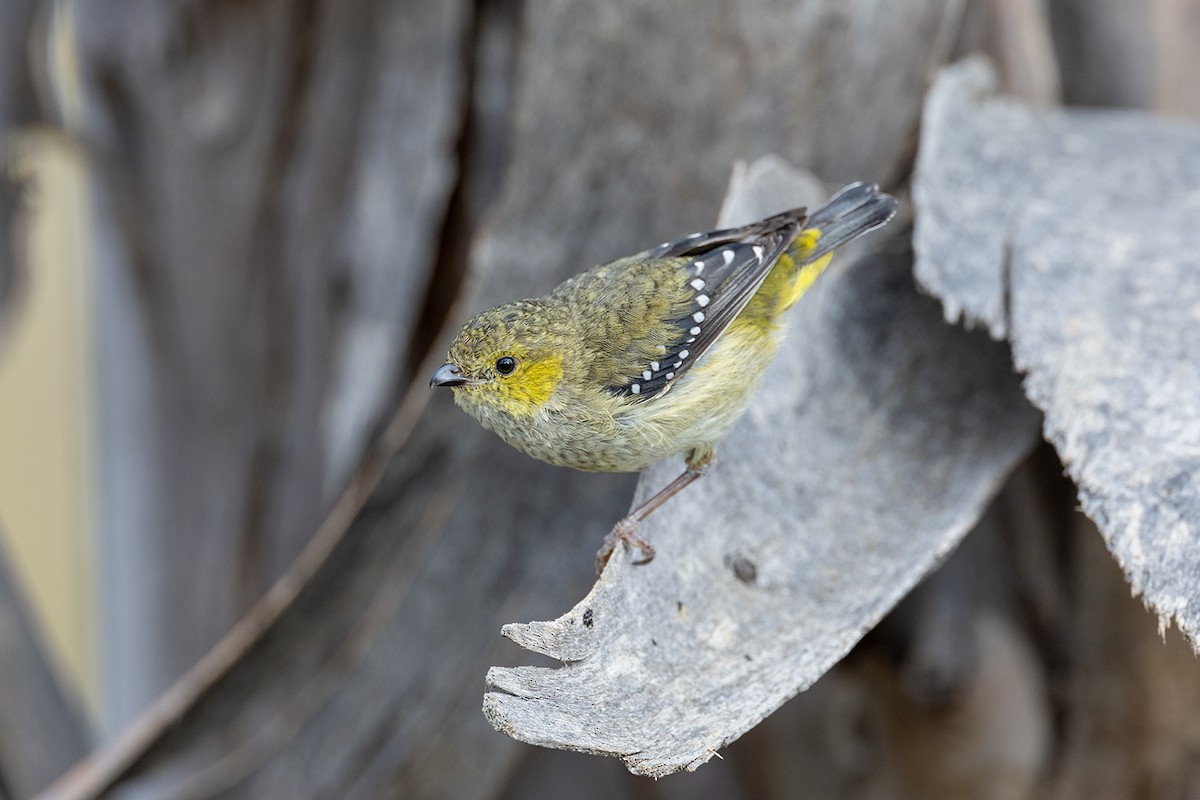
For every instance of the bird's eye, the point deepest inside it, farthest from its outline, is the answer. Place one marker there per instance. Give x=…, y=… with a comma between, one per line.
x=506, y=365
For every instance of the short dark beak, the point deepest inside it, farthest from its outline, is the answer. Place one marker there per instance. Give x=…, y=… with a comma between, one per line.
x=447, y=375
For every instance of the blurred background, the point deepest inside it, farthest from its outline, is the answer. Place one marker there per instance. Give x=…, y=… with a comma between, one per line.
x=231, y=234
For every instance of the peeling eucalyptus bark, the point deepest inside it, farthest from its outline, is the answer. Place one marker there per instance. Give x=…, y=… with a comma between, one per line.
x=1073, y=234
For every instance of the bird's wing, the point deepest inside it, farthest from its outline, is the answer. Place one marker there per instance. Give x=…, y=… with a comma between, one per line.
x=719, y=271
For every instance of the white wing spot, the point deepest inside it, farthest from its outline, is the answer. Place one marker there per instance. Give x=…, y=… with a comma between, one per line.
x=637, y=387
x=695, y=235
x=683, y=354
x=702, y=300
x=695, y=331
x=689, y=341
x=647, y=374
x=727, y=254
x=678, y=364
x=759, y=252
x=698, y=284
x=698, y=316
x=653, y=366
x=670, y=375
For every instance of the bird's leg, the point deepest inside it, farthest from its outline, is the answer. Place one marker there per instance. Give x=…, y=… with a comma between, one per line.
x=626, y=528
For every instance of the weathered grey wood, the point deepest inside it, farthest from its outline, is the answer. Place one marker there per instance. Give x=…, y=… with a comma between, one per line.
x=632, y=112
x=1074, y=235
x=42, y=729
x=368, y=684
x=876, y=442
x=1095, y=705
x=272, y=180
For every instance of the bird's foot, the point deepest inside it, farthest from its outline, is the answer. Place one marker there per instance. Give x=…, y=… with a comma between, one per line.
x=624, y=531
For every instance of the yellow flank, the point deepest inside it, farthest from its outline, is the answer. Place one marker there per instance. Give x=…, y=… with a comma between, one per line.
x=786, y=284
x=531, y=385
x=805, y=243
x=761, y=314
x=805, y=279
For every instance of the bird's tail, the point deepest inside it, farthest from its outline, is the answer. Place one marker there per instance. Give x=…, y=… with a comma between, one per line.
x=853, y=211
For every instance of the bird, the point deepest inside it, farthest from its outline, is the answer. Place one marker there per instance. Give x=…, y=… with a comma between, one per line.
x=650, y=355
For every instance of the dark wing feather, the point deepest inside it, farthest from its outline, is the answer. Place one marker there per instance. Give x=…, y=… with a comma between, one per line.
x=722, y=271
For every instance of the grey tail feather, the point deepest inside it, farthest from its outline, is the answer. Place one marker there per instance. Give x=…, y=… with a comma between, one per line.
x=853, y=211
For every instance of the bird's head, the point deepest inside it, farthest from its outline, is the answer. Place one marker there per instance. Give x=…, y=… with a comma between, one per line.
x=508, y=359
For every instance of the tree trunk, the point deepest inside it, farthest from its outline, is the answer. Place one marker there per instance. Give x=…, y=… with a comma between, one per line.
x=272, y=181
x=295, y=202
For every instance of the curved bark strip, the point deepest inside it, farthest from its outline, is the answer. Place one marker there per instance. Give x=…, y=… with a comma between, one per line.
x=1073, y=235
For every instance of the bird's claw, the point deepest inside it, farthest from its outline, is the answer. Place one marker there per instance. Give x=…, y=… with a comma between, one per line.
x=624, y=531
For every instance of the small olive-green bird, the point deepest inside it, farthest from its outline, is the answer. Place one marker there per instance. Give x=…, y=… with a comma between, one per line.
x=650, y=355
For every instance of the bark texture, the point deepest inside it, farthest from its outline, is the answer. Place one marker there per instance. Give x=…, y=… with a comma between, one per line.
x=272, y=180
x=1074, y=236
x=293, y=199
